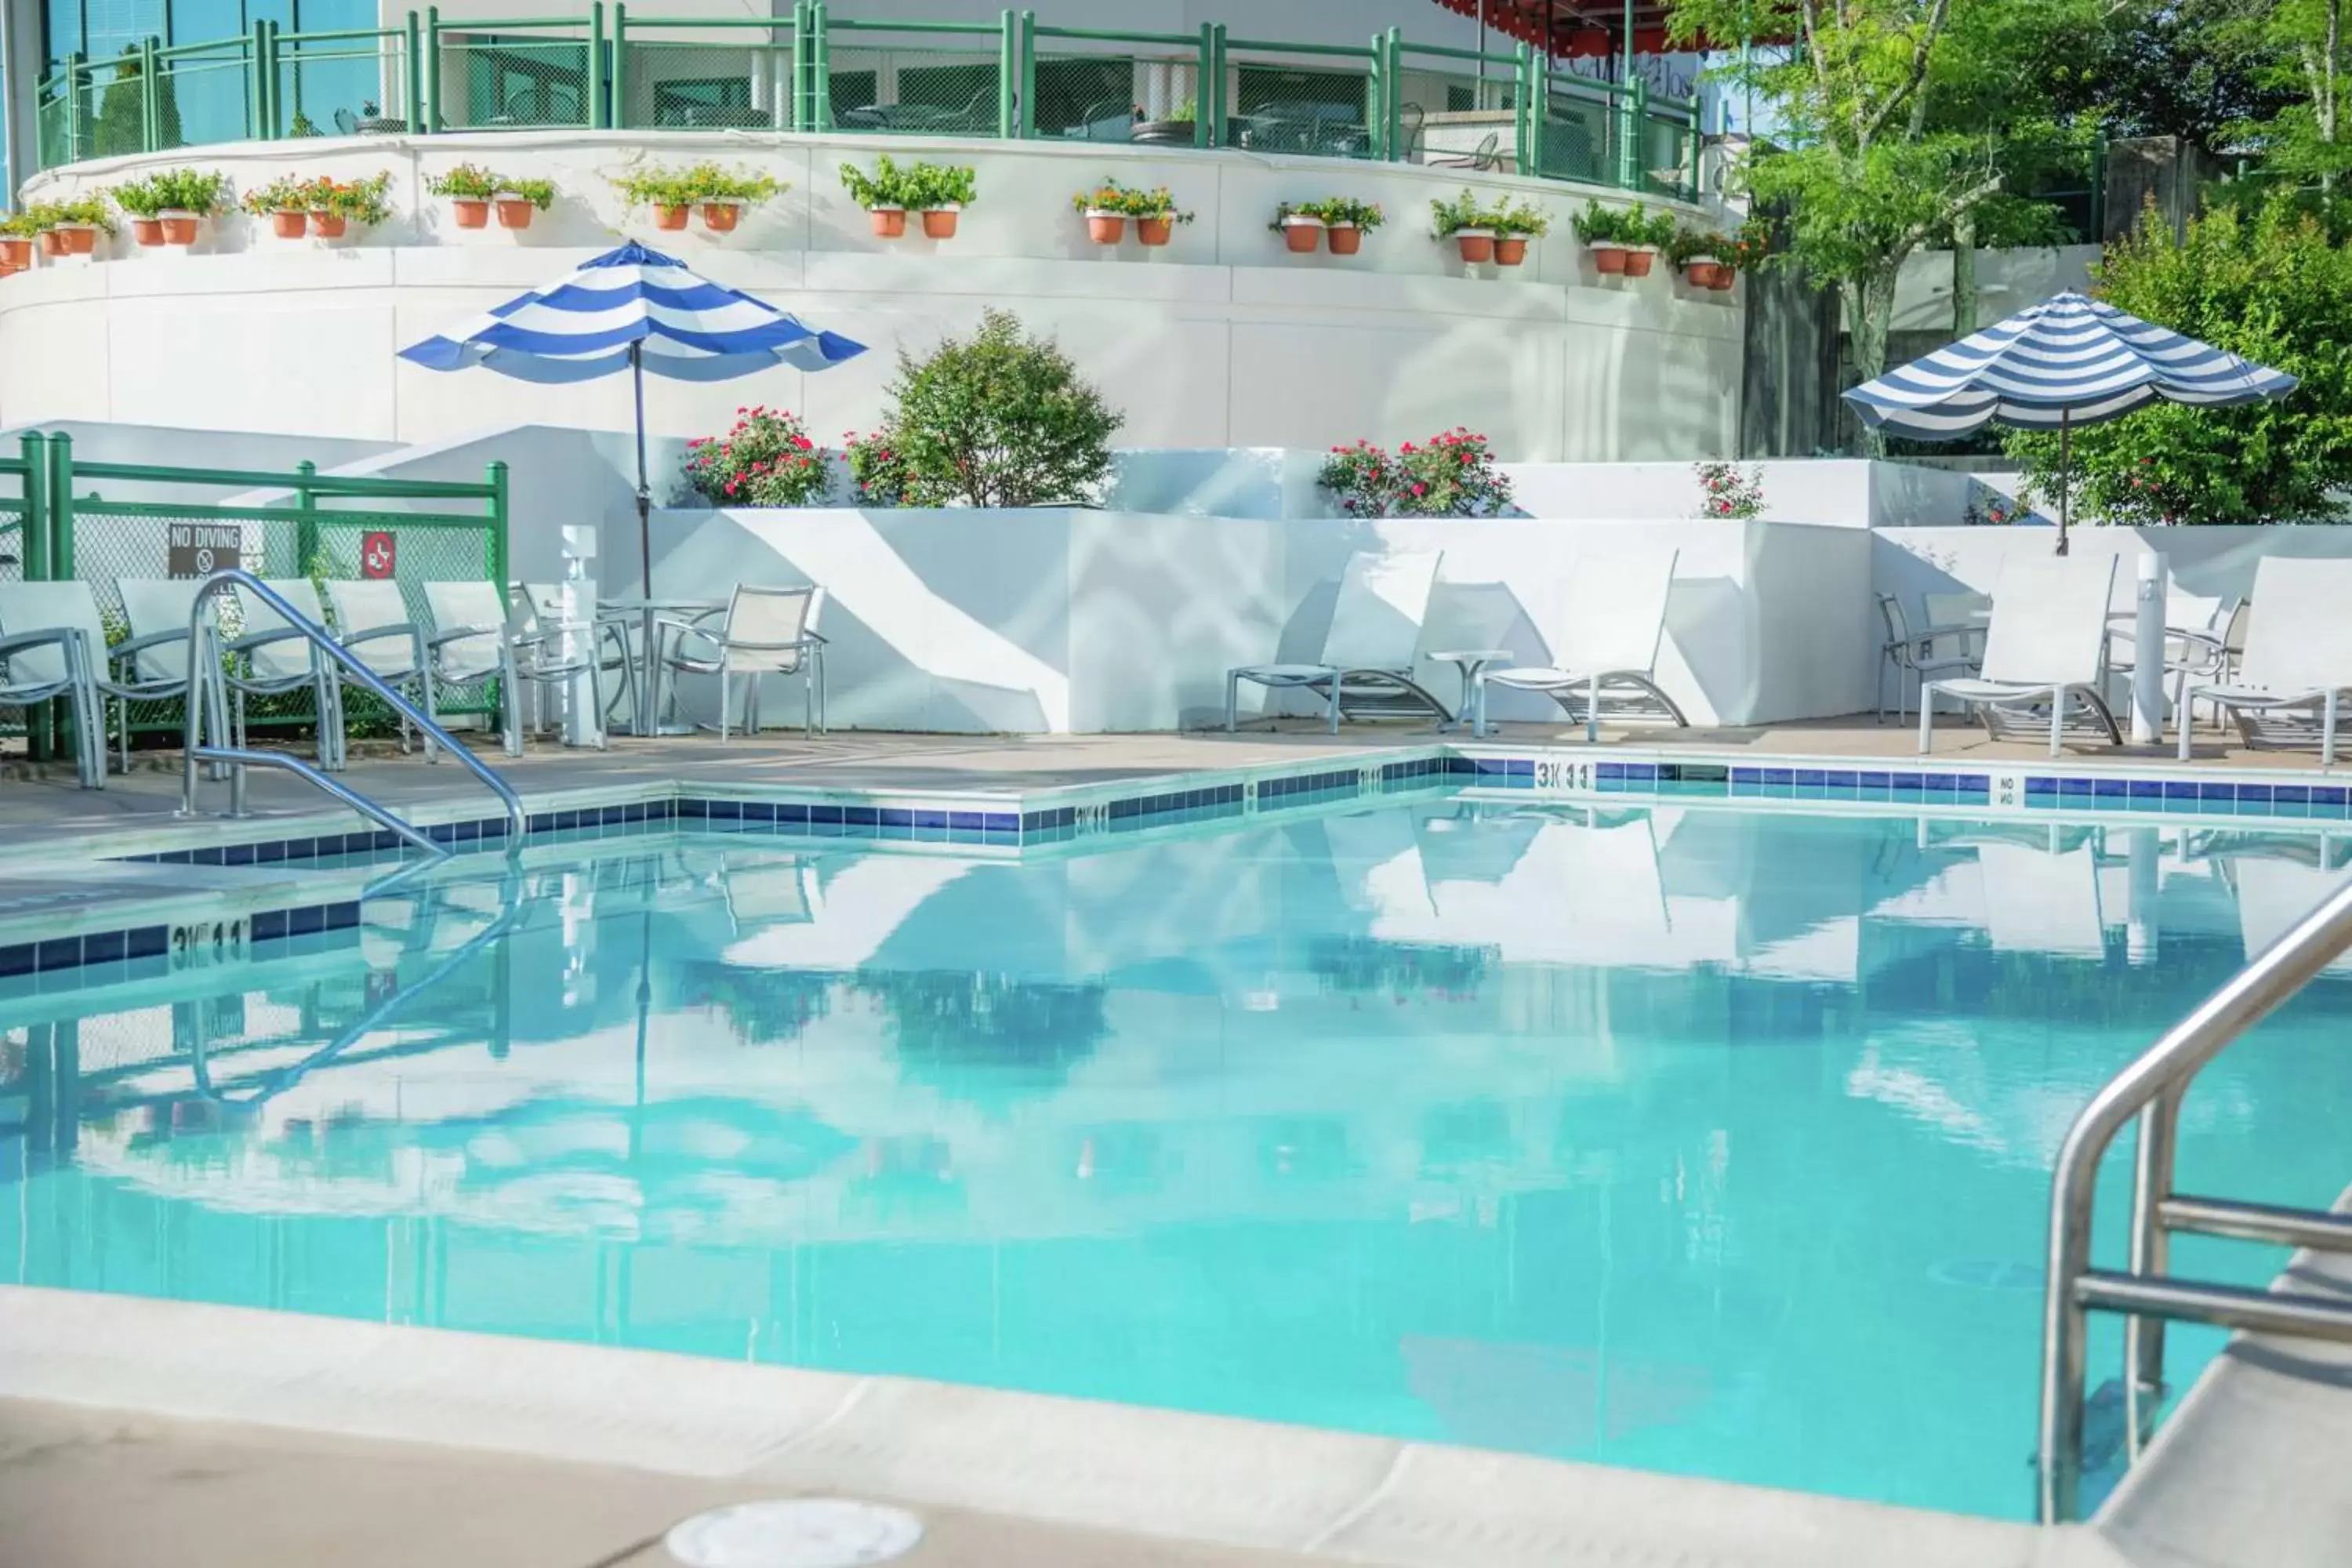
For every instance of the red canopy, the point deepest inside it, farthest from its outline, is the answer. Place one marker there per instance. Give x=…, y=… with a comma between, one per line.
x=1577, y=27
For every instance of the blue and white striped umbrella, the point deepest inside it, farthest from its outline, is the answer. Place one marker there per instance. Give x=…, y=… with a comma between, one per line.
x=2069, y=361
x=633, y=306
x=638, y=310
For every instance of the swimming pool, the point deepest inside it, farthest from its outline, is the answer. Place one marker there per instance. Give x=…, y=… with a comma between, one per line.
x=1695, y=1138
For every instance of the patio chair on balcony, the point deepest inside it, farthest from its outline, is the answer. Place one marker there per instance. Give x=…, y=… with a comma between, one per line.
x=767, y=631
x=2043, y=652
x=477, y=639
x=371, y=621
x=273, y=658
x=1368, y=664
x=45, y=655
x=2296, y=672
x=1603, y=641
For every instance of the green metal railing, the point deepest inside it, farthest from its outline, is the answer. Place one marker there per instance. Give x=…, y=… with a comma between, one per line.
x=1387, y=98
x=103, y=522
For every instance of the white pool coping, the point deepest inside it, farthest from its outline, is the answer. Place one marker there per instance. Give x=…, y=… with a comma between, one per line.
x=1240, y=1484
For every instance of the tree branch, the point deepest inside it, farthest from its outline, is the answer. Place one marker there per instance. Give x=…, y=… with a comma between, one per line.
x=1973, y=196
x=1933, y=29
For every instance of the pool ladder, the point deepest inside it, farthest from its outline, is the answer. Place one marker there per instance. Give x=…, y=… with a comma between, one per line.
x=203, y=684
x=2144, y=1292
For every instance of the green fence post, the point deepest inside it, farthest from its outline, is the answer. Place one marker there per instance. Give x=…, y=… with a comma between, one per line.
x=1697, y=146
x=61, y=509
x=274, y=99
x=1523, y=136
x=498, y=476
x=433, y=68
x=800, y=65
x=1393, y=111
x=1203, y=127
x=1633, y=110
x=1539, y=112
x=1029, y=76
x=413, y=85
x=306, y=526
x=34, y=524
x=150, y=118
x=600, y=103
x=1008, y=74
x=75, y=67
x=1217, y=91
x=821, y=86
x=616, y=75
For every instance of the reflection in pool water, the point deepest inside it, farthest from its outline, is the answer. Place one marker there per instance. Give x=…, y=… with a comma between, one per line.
x=1692, y=1139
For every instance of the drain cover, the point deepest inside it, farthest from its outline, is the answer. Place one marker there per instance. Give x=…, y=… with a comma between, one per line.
x=801, y=1532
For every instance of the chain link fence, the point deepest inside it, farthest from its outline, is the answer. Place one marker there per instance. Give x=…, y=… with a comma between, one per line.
x=1324, y=105
x=706, y=83
x=205, y=94
x=1578, y=139
x=341, y=86
x=926, y=90
x=518, y=82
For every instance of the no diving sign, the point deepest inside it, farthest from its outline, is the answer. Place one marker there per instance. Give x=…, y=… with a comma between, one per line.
x=201, y=549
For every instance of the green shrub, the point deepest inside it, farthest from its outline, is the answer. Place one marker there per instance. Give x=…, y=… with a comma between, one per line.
x=915, y=187
x=172, y=190
x=2272, y=284
x=999, y=420
x=1505, y=218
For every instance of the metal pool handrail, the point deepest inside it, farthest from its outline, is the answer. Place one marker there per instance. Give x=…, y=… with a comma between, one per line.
x=2152, y=1088
x=238, y=758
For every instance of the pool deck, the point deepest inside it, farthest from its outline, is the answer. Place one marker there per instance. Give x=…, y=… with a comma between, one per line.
x=40, y=808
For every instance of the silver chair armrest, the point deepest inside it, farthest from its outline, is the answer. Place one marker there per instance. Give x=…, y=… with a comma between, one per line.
x=461, y=634
x=409, y=629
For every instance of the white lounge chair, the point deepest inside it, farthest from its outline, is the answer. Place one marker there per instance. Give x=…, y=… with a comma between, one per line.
x=2049, y=628
x=45, y=653
x=476, y=637
x=371, y=621
x=1368, y=653
x=1603, y=639
x=273, y=656
x=767, y=631
x=2297, y=666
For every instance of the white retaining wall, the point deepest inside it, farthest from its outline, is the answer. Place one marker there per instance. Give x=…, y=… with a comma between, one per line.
x=1218, y=338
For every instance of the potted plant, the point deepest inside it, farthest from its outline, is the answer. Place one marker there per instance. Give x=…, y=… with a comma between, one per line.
x=1108, y=207
x=939, y=191
x=1515, y=224
x=1104, y=211
x=881, y=194
x=468, y=188
x=1300, y=224
x=1155, y=214
x=723, y=195
x=1693, y=252
x=285, y=201
x=188, y=197
x=1647, y=236
x=1176, y=130
x=518, y=200
x=143, y=206
x=1604, y=233
x=17, y=232
x=336, y=204
x=78, y=223
x=1346, y=221
x=1740, y=252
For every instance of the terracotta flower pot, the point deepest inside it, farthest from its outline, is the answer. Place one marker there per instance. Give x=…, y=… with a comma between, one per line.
x=473, y=212
x=179, y=227
x=1609, y=259
x=15, y=251
x=1105, y=228
x=888, y=222
x=1478, y=243
x=81, y=239
x=1155, y=230
x=1700, y=271
x=53, y=242
x=147, y=230
x=1726, y=275
x=329, y=226
x=670, y=217
x=10, y=269
x=514, y=212
x=939, y=223
x=720, y=218
x=1302, y=234
x=1510, y=249
x=290, y=224
x=1638, y=262
x=1346, y=238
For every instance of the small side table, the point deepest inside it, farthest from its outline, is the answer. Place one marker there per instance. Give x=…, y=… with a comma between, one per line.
x=1470, y=661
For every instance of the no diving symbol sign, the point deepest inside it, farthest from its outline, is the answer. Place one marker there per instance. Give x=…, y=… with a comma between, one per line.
x=378, y=554
x=201, y=549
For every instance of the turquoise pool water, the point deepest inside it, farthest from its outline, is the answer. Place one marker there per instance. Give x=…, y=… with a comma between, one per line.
x=1696, y=1139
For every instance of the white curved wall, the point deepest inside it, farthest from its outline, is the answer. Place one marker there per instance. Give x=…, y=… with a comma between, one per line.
x=1220, y=339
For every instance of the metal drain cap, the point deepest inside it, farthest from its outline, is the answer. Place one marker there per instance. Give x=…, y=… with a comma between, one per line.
x=797, y=1533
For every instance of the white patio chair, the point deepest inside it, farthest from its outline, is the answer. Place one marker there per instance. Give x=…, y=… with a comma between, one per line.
x=767, y=631
x=152, y=664
x=2297, y=666
x=47, y=631
x=2049, y=630
x=476, y=637
x=1368, y=653
x=272, y=657
x=1604, y=638
x=1912, y=655
x=371, y=621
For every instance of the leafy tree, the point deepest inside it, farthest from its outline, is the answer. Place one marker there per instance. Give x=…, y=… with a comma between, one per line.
x=122, y=120
x=999, y=420
x=2273, y=283
x=2304, y=48
x=2169, y=67
x=1910, y=124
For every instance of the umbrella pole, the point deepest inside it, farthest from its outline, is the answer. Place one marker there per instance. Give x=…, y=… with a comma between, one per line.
x=644, y=492
x=2065, y=478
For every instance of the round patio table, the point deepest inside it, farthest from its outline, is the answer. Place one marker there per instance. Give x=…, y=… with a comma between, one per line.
x=650, y=612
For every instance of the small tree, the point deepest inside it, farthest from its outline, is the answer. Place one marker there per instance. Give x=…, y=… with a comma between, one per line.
x=999, y=420
x=2271, y=283
x=121, y=116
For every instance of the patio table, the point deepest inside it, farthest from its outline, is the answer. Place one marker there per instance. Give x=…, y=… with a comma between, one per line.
x=649, y=612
